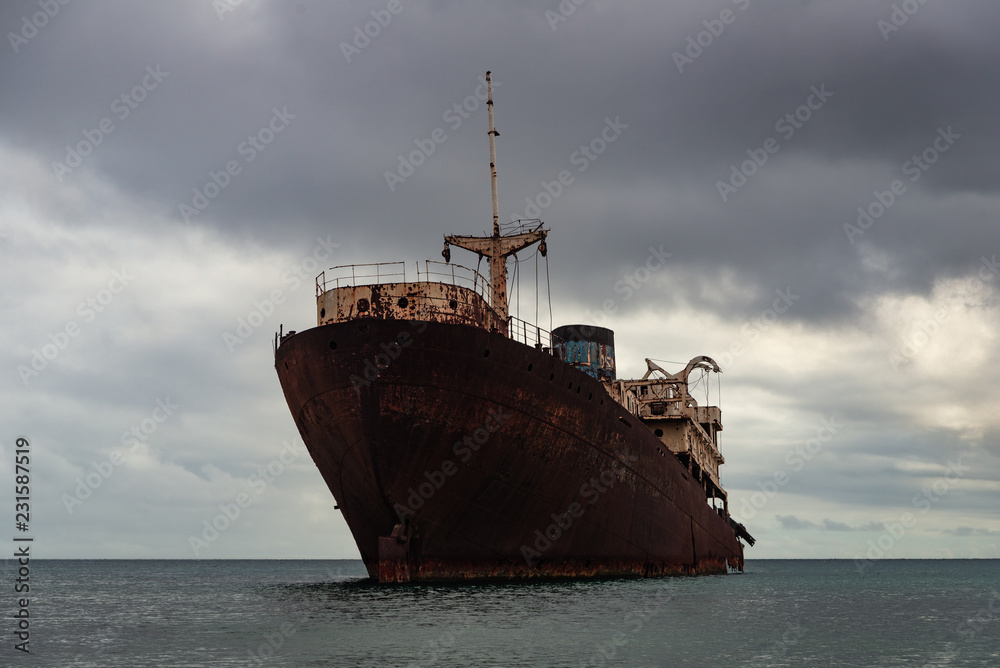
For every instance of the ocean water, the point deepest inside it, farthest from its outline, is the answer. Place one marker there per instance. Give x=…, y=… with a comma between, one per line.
x=323, y=613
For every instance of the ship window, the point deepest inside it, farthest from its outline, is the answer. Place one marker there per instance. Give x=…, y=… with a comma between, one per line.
x=363, y=305
x=333, y=345
x=590, y=395
x=322, y=312
x=486, y=353
x=569, y=386
x=658, y=432
x=552, y=376
x=403, y=302
x=578, y=388
x=530, y=367
x=453, y=303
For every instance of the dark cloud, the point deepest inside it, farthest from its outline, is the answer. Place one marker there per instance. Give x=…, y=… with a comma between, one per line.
x=685, y=130
x=793, y=523
x=964, y=532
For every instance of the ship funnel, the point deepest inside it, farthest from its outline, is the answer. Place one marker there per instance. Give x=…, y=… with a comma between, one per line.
x=589, y=348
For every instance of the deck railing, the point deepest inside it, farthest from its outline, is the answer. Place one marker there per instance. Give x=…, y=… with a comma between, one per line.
x=433, y=271
x=372, y=273
x=458, y=275
x=396, y=272
x=529, y=334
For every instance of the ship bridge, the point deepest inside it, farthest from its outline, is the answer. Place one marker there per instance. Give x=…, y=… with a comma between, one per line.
x=664, y=404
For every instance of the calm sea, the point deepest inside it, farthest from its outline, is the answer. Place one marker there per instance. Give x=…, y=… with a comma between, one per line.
x=323, y=613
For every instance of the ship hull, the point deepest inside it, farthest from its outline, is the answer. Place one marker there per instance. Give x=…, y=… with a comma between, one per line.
x=455, y=453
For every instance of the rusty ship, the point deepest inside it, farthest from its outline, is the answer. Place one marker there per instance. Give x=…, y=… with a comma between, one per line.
x=461, y=442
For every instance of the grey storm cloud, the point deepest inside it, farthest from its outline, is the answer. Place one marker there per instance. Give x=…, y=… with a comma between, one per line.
x=224, y=76
x=970, y=531
x=793, y=523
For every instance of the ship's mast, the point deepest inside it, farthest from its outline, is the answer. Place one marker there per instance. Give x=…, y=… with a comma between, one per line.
x=496, y=247
x=493, y=157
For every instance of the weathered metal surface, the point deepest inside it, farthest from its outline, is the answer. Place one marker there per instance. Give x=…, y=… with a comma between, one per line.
x=496, y=458
x=741, y=532
x=432, y=570
x=427, y=300
x=395, y=556
x=497, y=248
x=674, y=416
x=589, y=349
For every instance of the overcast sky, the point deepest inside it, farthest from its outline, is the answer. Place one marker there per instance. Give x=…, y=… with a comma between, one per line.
x=823, y=174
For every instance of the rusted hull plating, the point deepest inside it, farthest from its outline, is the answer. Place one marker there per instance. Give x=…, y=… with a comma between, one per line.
x=459, y=454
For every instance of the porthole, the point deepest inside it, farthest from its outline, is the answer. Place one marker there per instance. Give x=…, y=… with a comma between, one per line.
x=569, y=386
x=658, y=432
x=590, y=395
x=486, y=353
x=453, y=304
x=530, y=367
x=403, y=302
x=363, y=305
x=322, y=312
x=552, y=376
x=333, y=345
